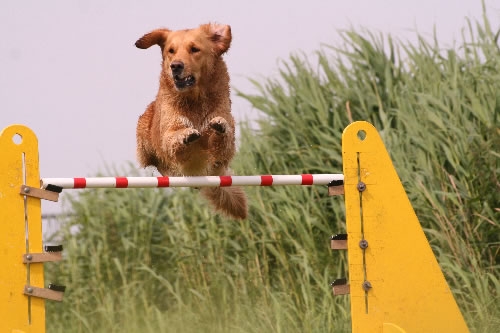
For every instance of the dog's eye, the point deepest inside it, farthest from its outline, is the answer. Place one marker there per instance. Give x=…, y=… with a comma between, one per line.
x=171, y=50
x=194, y=49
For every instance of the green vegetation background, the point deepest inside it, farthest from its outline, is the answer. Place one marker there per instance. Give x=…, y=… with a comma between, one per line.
x=161, y=261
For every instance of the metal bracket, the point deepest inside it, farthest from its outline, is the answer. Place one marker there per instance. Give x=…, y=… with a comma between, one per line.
x=30, y=258
x=336, y=187
x=340, y=287
x=39, y=193
x=53, y=292
x=338, y=242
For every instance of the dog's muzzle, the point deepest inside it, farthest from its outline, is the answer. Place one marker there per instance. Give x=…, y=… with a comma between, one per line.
x=177, y=68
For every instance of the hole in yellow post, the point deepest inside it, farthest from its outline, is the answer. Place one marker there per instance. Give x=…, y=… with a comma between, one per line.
x=361, y=135
x=17, y=139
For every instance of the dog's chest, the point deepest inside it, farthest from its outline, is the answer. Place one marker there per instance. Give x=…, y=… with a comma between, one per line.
x=197, y=122
x=194, y=116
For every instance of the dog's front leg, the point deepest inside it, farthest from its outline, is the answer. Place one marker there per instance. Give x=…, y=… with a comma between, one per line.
x=177, y=141
x=221, y=144
x=186, y=152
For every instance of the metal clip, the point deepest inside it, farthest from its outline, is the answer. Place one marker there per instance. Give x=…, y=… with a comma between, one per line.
x=53, y=248
x=54, y=188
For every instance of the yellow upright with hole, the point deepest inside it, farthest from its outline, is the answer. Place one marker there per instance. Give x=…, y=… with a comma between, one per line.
x=21, y=232
x=406, y=290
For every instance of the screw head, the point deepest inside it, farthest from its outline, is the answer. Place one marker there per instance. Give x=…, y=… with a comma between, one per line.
x=26, y=190
x=367, y=285
x=29, y=290
x=29, y=257
x=363, y=244
x=361, y=186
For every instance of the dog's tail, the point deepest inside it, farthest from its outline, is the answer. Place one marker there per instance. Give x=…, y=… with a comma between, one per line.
x=231, y=201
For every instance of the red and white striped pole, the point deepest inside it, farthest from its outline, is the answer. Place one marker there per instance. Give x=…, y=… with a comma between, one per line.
x=198, y=181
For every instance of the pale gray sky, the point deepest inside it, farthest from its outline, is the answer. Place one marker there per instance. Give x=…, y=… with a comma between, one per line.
x=70, y=71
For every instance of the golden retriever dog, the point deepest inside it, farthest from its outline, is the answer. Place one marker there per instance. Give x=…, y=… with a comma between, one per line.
x=188, y=130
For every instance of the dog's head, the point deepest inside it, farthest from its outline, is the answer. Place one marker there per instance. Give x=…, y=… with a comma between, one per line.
x=189, y=56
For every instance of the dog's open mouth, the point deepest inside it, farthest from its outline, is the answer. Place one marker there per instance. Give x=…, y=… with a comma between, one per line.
x=184, y=82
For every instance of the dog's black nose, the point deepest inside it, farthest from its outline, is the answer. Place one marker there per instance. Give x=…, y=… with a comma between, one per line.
x=177, y=67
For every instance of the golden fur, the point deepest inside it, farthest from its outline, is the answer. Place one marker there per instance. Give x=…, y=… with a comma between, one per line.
x=188, y=130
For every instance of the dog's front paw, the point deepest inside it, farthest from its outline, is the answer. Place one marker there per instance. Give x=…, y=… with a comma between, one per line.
x=189, y=135
x=219, y=125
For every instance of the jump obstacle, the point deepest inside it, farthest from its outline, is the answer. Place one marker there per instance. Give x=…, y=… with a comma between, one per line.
x=207, y=181
x=394, y=280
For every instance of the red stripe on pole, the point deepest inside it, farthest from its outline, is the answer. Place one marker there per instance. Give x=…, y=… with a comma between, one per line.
x=79, y=183
x=121, y=182
x=226, y=180
x=307, y=179
x=163, y=182
x=266, y=180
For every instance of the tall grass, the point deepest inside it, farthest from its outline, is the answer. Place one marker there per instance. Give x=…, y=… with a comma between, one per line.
x=160, y=261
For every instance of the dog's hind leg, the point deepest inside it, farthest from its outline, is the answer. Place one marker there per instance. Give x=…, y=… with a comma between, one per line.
x=144, y=149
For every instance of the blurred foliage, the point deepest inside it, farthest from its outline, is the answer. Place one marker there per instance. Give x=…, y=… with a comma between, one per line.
x=147, y=260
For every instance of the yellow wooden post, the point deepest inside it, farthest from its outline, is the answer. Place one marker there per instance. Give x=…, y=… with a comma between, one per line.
x=396, y=284
x=21, y=232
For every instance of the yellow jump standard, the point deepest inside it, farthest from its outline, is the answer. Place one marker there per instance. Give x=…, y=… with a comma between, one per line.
x=21, y=233
x=395, y=282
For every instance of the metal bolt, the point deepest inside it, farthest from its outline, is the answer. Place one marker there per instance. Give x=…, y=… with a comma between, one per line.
x=363, y=244
x=26, y=190
x=29, y=257
x=361, y=186
x=367, y=285
x=29, y=290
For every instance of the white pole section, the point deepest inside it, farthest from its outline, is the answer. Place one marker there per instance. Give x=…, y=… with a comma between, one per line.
x=198, y=181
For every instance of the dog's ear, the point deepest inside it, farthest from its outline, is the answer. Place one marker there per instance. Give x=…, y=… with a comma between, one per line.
x=220, y=34
x=155, y=37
